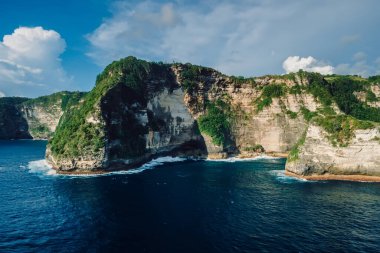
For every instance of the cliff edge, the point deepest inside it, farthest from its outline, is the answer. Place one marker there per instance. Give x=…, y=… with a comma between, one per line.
x=140, y=110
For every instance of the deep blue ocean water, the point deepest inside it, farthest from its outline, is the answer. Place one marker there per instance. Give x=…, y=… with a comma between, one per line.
x=242, y=206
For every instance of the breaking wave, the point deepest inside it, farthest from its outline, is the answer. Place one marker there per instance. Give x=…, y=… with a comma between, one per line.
x=283, y=178
x=236, y=159
x=42, y=168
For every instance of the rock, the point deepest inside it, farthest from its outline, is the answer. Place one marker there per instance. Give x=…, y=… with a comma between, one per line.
x=139, y=111
x=23, y=118
x=317, y=156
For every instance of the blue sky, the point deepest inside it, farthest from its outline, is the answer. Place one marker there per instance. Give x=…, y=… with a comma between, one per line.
x=48, y=46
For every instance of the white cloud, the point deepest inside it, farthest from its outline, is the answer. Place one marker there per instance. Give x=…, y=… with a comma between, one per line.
x=295, y=63
x=131, y=31
x=2, y=94
x=360, y=65
x=235, y=37
x=30, y=63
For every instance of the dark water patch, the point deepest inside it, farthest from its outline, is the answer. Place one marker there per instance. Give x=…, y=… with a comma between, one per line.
x=181, y=207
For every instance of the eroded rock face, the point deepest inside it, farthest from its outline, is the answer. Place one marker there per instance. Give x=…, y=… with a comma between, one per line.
x=23, y=118
x=139, y=111
x=41, y=120
x=12, y=123
x=317, y=156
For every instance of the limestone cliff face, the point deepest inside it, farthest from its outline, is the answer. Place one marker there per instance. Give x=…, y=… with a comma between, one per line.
x=270, y=127
x=22, y=118
x=165, y=121
x=41, y=120
x=317, y=156
x=139, y=111
x=137, y=131
x=12, y=123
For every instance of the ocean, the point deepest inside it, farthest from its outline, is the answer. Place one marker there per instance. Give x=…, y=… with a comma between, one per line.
x=177, y=205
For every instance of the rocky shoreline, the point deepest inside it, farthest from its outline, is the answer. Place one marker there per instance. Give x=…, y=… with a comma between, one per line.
x=331, y=177
x=103, y=171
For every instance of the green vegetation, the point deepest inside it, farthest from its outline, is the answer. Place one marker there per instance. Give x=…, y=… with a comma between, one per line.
x=291, y=114
x=289, y=76
x=294, y=152
x=239, y=80
x=216, y=123
x=371, y=97
x=342, y=89
x=40, y=131
x=255, y=148
x=131, y=78
x=374, y=79
x=76, y=136
x=11, y=119
x=12, y=100
x=307, y=114
x=192, y=75
x=66, y=99
x=10, y=110
x=340, y=128
x=296, y=89
x=269, y=91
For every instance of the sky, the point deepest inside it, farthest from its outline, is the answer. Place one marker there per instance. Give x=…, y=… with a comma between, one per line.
x=52, y=45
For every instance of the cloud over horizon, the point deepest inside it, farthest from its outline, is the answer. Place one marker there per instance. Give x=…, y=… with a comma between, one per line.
x=310, y=64
x=241, y=38
x=29, y=59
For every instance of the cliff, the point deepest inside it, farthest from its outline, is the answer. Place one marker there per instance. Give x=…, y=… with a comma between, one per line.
x=12, y=123
x=318, y=156
x=23, y=118
x=139, y=110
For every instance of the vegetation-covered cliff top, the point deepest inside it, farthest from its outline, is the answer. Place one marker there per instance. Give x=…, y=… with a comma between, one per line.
x=353, y=95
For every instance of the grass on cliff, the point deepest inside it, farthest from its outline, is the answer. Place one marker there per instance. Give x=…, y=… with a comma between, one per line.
x=137, y=79
x=66, y=99
x=74, y=136
x=216, y=122
x=294, y=152
x=255, y=148
x=341, y=90
x=340, y=128
x=269, y=91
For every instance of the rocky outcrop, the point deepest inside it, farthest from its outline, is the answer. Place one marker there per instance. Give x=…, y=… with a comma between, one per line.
x=138, y=111
x=317, y=156
x=12, y=123
x=41, y=120
x=23, y=118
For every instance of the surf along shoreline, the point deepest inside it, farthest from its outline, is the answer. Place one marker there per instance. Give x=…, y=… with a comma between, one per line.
x=239, y=158
x=332, y=177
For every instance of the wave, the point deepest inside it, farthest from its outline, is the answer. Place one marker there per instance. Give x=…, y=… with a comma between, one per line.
x=237, y=159
x=42, y=168
x=283, y=178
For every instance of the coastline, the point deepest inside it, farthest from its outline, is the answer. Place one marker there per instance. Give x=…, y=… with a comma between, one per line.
x=228, y=159
x=330, y=177
x=68, y=173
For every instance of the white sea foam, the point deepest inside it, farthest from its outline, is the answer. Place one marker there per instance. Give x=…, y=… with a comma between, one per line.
x=41, y=167
x=236, y=159
x=283, y=178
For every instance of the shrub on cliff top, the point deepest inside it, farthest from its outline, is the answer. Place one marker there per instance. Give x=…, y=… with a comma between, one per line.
x=269, y=91
x=74, y=136
x=340, y=128
x=216, y=122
